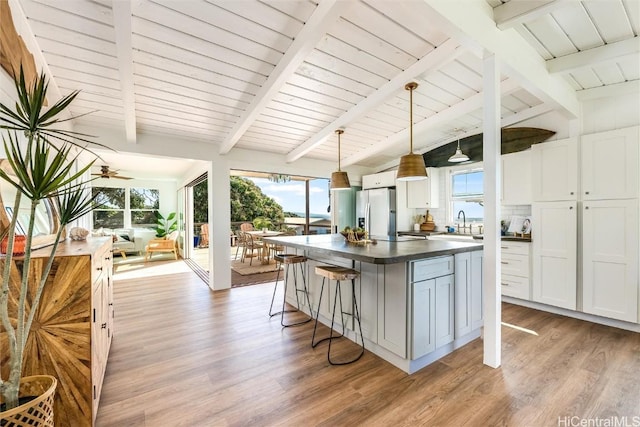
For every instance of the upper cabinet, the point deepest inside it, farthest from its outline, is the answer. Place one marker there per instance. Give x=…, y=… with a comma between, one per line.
x=610, y=165
x=516, y=178
x=424, y=193
x=379, y=180
x=555, y=170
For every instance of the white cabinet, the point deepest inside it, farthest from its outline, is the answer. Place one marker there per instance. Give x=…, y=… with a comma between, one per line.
x=424, y=193
x=555, y=171
x=432, y=304
x=468, y=292
x=555, y=253
x=424, y=328
x=516, y=261
x=379, y=180
x=610, y=165
x=516, y=178
x=370, y=276
x=392, y=309
x=610, y=258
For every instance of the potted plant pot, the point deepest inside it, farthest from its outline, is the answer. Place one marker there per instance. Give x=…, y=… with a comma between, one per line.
x=38, y=392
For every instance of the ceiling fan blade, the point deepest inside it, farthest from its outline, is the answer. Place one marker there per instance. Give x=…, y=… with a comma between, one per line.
x=120, y=177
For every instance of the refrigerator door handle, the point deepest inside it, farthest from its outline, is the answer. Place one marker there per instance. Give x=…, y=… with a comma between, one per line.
x=367, y=218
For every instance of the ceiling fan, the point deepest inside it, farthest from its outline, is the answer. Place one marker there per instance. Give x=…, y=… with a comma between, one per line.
x=106, y=173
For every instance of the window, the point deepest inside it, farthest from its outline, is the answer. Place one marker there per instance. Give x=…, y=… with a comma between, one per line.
x=121, y=207
x=111, y=213
x=467, y=195
x=143, y=203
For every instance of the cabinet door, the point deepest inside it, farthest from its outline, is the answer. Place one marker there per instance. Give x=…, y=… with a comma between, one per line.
x=555, y=170
x=462, y=294
x=477, y=313
x=379, y=180
x=554, y=254
x=370, y=275
x=516, y=179
x=610, y=165
x=610, y=258
x=423, y=311
x=424, y=193
x=444, y=310
x=392, y=309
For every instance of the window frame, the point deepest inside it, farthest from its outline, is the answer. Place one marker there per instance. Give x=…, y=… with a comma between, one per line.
x=450, y=199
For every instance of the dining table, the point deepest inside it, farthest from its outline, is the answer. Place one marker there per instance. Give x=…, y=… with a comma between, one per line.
x=259, y=234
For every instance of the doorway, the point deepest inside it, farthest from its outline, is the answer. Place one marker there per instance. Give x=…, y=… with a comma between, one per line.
x=196, y=233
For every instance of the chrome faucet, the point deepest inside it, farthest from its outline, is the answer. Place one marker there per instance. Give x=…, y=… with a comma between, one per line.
x=464, y=220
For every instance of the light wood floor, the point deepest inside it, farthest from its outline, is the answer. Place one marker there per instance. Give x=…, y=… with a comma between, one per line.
x=185, y=356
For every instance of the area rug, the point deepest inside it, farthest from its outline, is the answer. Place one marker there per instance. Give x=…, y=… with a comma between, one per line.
x=244, y=269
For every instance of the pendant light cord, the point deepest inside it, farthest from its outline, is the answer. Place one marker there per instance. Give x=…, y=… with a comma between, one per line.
x=339, y=132
x=410, y=87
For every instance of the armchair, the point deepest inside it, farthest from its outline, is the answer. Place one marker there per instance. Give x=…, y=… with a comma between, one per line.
x=167, y=244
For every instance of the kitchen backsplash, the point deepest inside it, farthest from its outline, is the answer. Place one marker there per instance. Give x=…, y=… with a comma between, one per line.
x=507, y=211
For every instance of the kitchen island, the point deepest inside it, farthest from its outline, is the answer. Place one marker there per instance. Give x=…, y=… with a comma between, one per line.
x=419, y=299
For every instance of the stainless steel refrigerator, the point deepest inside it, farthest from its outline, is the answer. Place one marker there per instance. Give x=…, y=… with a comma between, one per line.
x=376, y=211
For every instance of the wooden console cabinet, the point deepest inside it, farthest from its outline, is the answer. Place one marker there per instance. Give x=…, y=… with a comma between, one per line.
x=72, y=331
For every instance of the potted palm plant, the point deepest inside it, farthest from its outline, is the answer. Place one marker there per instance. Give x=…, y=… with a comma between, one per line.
x=43, y=167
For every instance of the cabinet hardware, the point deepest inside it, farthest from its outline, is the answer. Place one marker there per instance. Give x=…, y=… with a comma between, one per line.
x=104, y=326
x=99, y=268
x=571, y=193
x=586, y=192
x=504, y=284
x=586, y=207
x=570, y=207
x=504, y=247
x=94, y=315
x=504, y=262
x=94, y=391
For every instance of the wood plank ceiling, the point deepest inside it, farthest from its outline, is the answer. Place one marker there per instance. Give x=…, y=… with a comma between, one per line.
x=281, y=76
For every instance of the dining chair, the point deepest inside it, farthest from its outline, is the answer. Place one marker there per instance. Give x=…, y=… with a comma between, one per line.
x=246, y=226
x=278, y=248
x=240, y=243
x=251, y=245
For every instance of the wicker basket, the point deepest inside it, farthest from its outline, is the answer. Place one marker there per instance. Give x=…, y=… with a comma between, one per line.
x=39, y=411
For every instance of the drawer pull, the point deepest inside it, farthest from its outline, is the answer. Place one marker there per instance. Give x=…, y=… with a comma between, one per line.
x=504, y=262
x=504, y=284
x=104, y=326
x=99, y=268
x=504, y=247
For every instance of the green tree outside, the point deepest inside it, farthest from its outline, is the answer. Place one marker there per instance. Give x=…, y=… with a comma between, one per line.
x=249, y=202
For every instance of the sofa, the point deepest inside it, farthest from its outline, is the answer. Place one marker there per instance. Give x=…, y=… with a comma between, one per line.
x=123, y=240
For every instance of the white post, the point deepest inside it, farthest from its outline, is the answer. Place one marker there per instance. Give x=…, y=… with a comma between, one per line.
x=219, y=225
x=492, y=178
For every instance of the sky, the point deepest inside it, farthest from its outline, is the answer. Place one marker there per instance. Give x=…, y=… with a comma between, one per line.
x=290, y=195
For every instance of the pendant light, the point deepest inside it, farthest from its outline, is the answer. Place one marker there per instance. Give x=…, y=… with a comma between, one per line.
x=459, y=156
x=411, y=166
x=339, y=179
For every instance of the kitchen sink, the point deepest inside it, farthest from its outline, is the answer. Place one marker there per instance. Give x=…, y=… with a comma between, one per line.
x=453, y=237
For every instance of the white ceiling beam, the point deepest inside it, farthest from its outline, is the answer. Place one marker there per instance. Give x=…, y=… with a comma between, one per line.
x=596, y=56
x=462, y=108
x=517, y=12
x=436, y=59
x=614, y=90
x=473, y=26
x=323, y=18
x=122, y=28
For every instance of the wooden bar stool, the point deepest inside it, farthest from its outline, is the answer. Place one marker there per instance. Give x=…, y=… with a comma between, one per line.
x=338, y=274
x=287, y=260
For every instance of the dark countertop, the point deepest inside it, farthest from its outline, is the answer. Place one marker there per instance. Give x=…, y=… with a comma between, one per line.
x=419, y=233
x=383, y=252
x=506, y=238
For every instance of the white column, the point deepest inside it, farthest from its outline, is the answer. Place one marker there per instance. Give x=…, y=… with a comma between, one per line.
x=219, y=225
x=492, y=178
